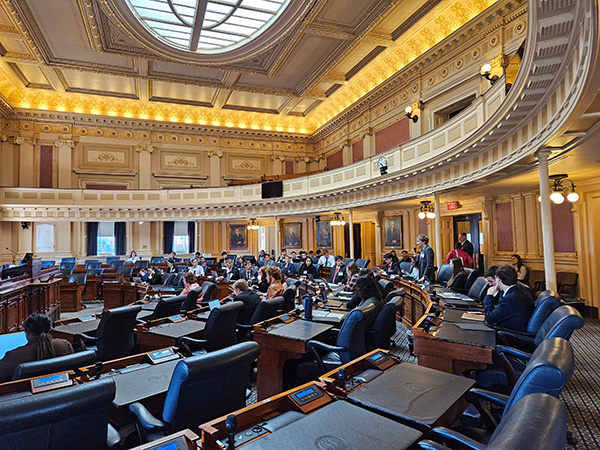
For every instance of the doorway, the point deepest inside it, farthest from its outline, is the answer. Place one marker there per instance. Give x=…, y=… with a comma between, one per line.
x=470, y=224
x=356, y=232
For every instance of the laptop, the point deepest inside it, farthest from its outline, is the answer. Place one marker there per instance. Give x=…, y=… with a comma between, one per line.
x=212, y=304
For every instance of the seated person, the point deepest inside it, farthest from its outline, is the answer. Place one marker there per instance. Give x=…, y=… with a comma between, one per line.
x=171, y=268
x=40, y=345
x=240, y=262
x=458, y=252
x=261, y=255
x=202, y=263
x=222, y=262
x=522, y=271
x=231, y=272
x=352, y=274
x=268, y=262
x=248, y=273
x=174, y=257
x=459, y=276
x=414, y=271
x=389, y=267
x=326, y=260
x=133, y=257
x=394, y=256
x=404, y=256
x=282, y=256
x=515, y=304
x=289, y=265
x=308, y=268
x=367, y=291
x=490, y=277
x=196, y=269
x=263, y=283
x=338, y=273
x=250, y=298
x=274, y=277
x=143, y=274
x=155, y=276
x=189, y=282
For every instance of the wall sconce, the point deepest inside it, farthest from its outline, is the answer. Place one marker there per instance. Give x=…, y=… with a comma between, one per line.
x=408, y=111
x=486, y=70
x=253, y=225
x=558, y=189
x=338, y=220
x=427, y=210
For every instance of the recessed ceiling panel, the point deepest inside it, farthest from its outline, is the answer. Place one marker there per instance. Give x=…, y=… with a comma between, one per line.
x=98, y=83
x=348, y=12
x=303, y=105
x=177, y=91
x=256, y=101
x=185, y=70
x=357, y=54
x=16, y=48
x=33, y=75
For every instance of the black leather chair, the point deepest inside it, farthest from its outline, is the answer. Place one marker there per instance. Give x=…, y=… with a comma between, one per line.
x=406, y=266
x=387, y=286
x=380, y=333
x=71, y=418
x=141, y=264
x=478, y=289
x=208, y=290
x=93, y=264
x=202, y=388
x=567, y=284
x=398, y=292
x=115, y=336
x=67, y=265
x=472, y=275
x=350, y=340
x=265, y=310
x=189, y=302
x=363, y=263
x=219, y=332
x=167, y=307
x=289, y=297
x=79, y=278
x=348, y=261
x=96, y=272
x=110, y=259
x=66, y=272
x=157, y=259
x=536, y=422
x=176, y=281
x=116, y=264
x=54, y=365
x=444, y=274
x=125, y=271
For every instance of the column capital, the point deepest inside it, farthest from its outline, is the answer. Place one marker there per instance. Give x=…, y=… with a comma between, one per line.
x=543, y=153
x=64, y=143
x=147, y=148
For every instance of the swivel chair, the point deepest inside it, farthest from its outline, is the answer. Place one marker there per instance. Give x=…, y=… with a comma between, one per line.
x=472, y=275
x=202, y=388
x=265, y=310
x=208, y=290
x=444, y=274
x=167, y=307
x=363, y=263
x=141, y=264
x=115, y=335
x=478, y=289
x=93, y=264
x=110, y=259
x=190, y=300
x=406, y=266
x=70, y=418
x=387, y=287
x=398, y=292
x=289, y=295
x=54, y=365
x=68, y=260
x=116, y=264
x=383, y=328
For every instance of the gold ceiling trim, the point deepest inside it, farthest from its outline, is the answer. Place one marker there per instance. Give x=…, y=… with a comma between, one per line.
x=422, y=37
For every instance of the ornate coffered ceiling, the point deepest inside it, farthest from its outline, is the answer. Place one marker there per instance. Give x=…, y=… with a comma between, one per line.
x=320, y=57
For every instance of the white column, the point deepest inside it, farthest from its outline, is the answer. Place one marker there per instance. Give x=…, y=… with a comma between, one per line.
x=546, y=210
x=145, y=168
x=438, y=234
x=378, y=233
x=27, y=174
x=215, y=168
x=65, y=162
x=347, y=155
x=278, y=245
x=351, y=228
x=368, y=145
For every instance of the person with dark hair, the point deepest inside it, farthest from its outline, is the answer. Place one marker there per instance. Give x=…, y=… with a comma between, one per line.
x=223, y=260
x=520, y=268
x=250, y=298
x=196, y=269
x=155, y=276
x=394, y=256
x=231, y=272
x=515, y=304
x=414, y=272
x=390, y=267
x=459, y=276
x=263, y=283
x=404, y=256
x=248, y=273
x=366, y=291
x=268, y=262
x=425, y=258
x=171, y=267
x=338, y=272
x=458, y=252
x=282, y=256
x=352, y=273
x=465, y=245
x=308, y=268
x=190, y=282
x=40, y=345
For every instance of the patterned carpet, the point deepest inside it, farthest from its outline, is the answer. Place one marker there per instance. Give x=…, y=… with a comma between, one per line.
x=581, y=395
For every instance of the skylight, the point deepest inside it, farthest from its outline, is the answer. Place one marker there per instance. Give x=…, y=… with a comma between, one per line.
x=207, y=26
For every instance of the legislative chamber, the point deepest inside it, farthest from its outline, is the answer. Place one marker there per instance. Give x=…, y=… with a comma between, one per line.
x=299, y=224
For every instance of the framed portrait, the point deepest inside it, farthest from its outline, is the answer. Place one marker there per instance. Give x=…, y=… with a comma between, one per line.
x=292, y=235
x=238, y=238
x=323, y=234
x=393, y=232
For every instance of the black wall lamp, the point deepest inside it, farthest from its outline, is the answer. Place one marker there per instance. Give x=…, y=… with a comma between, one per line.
x=486, y=72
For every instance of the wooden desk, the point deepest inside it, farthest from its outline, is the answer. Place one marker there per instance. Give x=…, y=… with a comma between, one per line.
x=164, y=333
x=276, y=348
x=117, y=293
x=416, y=301
x=221, y=291
x=70, y=296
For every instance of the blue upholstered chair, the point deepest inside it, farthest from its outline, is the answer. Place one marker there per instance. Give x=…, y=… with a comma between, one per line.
x=363, y=263
x=383, y=328
x=478, y=289
x=444, y=274
x=68, y=260
x=350, y=340
x=406, y=266
x=93, y=264
x=202, y=388
x=70, y=418
x=387, y=286
x=546, y=302
x=116, y=264
x=110, y=259
x=115, y=335
x=48, y=264
x=265, y=310
x=67, y=265
x=157, y=259
x=535, y=422
x=54, y=365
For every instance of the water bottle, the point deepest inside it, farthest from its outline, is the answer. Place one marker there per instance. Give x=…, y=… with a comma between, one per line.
x=307, y=301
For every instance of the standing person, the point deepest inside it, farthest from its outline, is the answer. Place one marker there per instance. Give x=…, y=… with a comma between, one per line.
x=515, y=305
x=338, y=275
x=326, y=260
x=425, y=258
x=40, y=345
x=196, y=269
x=459, y=276
x=274, y=277
x=465, y=244
x=458, y=252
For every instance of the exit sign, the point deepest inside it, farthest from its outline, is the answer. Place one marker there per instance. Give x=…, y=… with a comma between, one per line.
x=452, y=205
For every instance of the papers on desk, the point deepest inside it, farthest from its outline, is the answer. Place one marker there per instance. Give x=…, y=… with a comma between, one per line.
x=331, y=315
x=474, y=327
x=473, y=316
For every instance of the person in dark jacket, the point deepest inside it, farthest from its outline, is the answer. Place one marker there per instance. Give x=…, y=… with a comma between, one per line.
x=459, y=277
x=308, y=268
x=515, y=304
x=250, y=298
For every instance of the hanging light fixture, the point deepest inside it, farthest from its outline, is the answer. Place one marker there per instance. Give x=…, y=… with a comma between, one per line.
x=253, y=225
x=427, y=210
x=558, y=189
x=338, y=220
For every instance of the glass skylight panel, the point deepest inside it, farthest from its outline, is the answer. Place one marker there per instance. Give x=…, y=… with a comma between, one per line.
x=226, y=24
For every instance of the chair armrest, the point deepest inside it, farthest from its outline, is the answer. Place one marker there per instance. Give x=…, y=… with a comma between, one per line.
x=430, y=445
x=244, y=327
x=515, y=333
x=113, y=438
x=145, y=418
x=514, y=339
x=186, y=343
x=513, y=352
x=322, y=346
x=86, y=337
x=483, y=394
x=447, y=436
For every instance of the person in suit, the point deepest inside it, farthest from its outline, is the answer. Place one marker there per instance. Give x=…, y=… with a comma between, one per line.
x=155, y=277
x=392, y=234
x=425, y=258
x=231, y=273
x=250, y=298
x=248, y=273
x=291, y=239
x=40, y=345
x=171, y=268
x=389, y=267
x=459, y=276
x=237, y=238
x=515, y=304
x=465, y=245
x=268, y=261
x=326, y=260
x=404, y=256
x=223, y=260
x=308, y=268
x=338, y=274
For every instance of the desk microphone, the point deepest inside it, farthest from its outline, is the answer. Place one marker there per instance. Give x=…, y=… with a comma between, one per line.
x=231, y=427
x=98, y=369
x=342, y=378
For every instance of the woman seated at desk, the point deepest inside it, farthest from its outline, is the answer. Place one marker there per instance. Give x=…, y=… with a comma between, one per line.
x=133, y=257
x=308, y=268
x=414, y=271
x=40, y=345
x=352, y=272
x=263, y=282
x=190, y=282
x=368, y=290
x=289, y=266
x=459, y=276
x=274, y=277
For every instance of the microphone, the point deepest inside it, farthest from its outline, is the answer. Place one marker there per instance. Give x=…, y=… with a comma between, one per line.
x=342, y=378
x=231, y=427
x=98, y=369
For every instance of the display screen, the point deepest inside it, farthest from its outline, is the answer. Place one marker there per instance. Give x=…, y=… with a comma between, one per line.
x=84, y=318
x=46, y=380
x=284, y=317
x=376, y=356
x=162, y=353
x=272, y=190
x=171, y=446
x=304, y=393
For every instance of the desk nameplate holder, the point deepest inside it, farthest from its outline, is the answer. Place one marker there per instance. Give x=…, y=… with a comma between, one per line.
x=177, y=318
x=50, y=382
x=87, y=318
x=164, y=355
